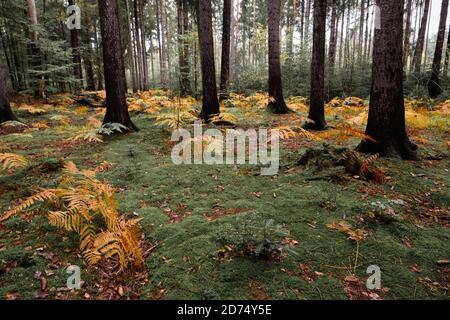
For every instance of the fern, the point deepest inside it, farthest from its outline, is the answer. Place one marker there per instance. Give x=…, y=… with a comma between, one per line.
x=91, y=136
x=11, y=162
x=111, y=128
x=81, y=202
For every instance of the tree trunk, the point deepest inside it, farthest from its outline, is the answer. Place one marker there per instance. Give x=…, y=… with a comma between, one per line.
x=210, y=101
x=276, y=104
x=143, y=46
x=116, y=104
x=417, y=60
x=386, y=124
x=76, y=56
x=88, y=66
x=98, y=60
x=6, y=113
x=317, y=97
x=447, y=55
x=333, y=37
x=137, y=37
x=183, y=48
x=434, y=88
x=226, y=48
x=406, y=42
x=130, y=48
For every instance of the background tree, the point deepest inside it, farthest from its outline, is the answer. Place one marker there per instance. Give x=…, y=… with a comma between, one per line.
x=6, y=113
x=386, y=123
x=76, y=55
x=226, y=46
x=210, y=104
x=114, y=69
x=434, y=88
x=417, y=61
x=317, y=96
x=276, y=104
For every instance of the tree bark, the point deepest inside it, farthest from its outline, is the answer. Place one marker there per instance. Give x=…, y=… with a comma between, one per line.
x=333, y=37
x=434, y=88
x=6, y=113
x=210, y=101
x=143, y=46
x=76, y=56
x=183, y=47
x=276, y=104
x=447, y=55
x=88, y=66
x=116, y=104
x=130, y=48
x=226, y=48
x=139, y=57
x=417, y=60
x=317, y=97
x=406, y=43
x=386, y=124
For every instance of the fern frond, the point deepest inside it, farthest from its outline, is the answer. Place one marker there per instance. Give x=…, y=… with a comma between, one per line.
x=12, y=162
x=44, y=196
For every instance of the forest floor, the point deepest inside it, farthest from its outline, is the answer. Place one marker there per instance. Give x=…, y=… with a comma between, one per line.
x=400, y=223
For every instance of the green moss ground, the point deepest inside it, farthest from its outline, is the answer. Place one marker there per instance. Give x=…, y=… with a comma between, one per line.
x=186, y=264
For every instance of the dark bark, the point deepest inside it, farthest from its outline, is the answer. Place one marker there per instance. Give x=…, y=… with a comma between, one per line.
x=116, y=104
x=226, y=48
x=386, y=124
x=210, y=100
x=447, y=55
x=317, y=97
x=6, y=113
x=276, y=104
x=417, y=60
x=434, y=88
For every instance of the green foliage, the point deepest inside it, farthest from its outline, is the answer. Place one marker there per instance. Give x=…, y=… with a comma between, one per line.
x=253, y=235
x=112, y=128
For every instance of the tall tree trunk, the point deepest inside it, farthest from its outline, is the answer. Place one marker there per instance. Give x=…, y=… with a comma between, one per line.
x=143, y=46
x=182, y=47
x=116, y=104
x=76, y=56
x=99, y=61
x=6, y=113
x=131, y=49
x=35, y=53
x=406, y=42
x=447, y=55
x=276, y=104
x=205, y=34
x=417, y=60
x=226, y=48
x=292, y=19
x=386, y=124
x=88, y=66
x=137, y=38
x=361, y=30
x=341, y=38
x=434, y=88
x=333, y=37
x=317, y=97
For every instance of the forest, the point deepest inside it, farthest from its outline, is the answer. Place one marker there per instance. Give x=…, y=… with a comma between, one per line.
x=224, y=150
